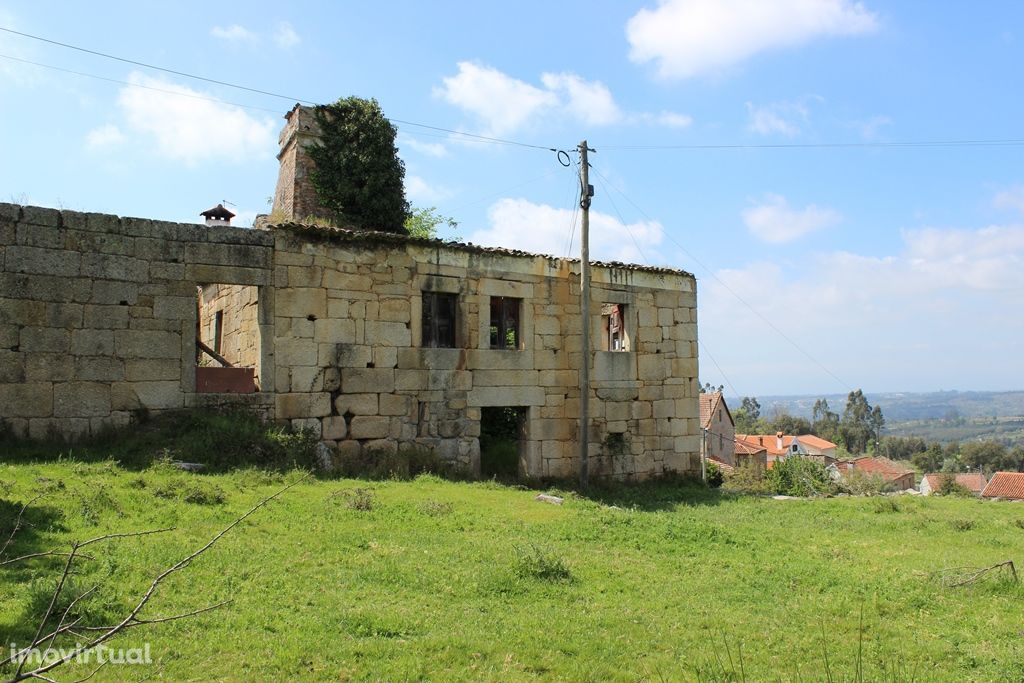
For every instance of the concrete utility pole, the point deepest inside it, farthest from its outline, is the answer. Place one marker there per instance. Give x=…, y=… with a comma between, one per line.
x=586, y=192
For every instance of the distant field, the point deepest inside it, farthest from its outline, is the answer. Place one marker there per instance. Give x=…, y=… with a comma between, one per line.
x=433, y=580
x=1007, y=430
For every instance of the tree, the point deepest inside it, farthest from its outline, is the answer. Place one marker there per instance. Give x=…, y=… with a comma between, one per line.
x=746, y=416
x=987, y=455
x=424, y=222
x=751, y=406
x=788, y=424
x=824, y=422
x=861, y=425
x=708, y=388
x=358, y=176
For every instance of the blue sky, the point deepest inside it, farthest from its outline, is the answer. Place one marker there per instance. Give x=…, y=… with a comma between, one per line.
x=820, y=268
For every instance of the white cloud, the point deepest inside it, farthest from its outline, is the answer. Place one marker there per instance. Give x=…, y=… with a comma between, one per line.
x=785, y=118
x=672, y=119
x=432, y=149
x=589, y=101
x=233, y=33
x=104, y=137
x=933, y=315
x=285, y=35
x=193, y=130
x=504, y=104
x=1012, y=198
x=869, y=128
x=418, y=189
x=690, y=37
x=543, y=229
x=773, y=220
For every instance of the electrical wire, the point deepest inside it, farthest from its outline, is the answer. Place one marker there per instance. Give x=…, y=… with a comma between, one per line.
x=573, y=188
x=720, y=370
x=183, y=74
x=622, y=220
x=1007, y=142
x=743, y=301
x=138, y=85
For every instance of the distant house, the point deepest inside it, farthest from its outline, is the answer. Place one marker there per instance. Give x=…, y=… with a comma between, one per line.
x=719, y=428
x=973, y=482
x=809, y=444
x=725, y=467
x=776, y=447
x=781, y=446
x=750, y=454
x=895, y=475
x=1005, y=485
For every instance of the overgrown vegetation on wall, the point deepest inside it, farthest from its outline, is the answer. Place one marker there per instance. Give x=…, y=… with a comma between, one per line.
x=358, y=175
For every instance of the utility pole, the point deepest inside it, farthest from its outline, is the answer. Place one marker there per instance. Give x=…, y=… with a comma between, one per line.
x=586, y=192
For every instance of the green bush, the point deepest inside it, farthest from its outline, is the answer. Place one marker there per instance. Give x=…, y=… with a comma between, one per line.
x=797, y=476
x=713, y=474
x=861, y=483
x=949, y=487
x=746, y=478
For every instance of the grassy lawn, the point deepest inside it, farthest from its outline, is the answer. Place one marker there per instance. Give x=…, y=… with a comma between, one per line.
x=434, y=580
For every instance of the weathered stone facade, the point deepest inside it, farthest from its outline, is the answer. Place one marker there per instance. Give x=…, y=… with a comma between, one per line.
x=99, y=315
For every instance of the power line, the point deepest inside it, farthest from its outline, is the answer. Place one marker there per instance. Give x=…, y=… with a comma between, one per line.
x=153, y=66
x=1008, y=142
x=138, y=85
x=183, y=74
x=720, y=370
x=623, y=220
x=756, y=312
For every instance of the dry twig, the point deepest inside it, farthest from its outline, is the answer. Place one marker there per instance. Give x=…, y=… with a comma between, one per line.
x=132, y=619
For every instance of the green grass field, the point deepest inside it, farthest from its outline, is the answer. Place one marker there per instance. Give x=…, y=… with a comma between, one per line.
x=434, y=580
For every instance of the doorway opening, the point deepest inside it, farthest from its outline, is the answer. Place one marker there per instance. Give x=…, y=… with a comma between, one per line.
x=502, y=435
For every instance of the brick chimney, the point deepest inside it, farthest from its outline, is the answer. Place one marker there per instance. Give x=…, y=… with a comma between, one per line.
x=295, y=197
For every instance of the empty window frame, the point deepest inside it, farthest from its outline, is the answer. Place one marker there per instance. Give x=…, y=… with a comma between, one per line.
x=439, y=319
x=504, y=325
x=613, y=328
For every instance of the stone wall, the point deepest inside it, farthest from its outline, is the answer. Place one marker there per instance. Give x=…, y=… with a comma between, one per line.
x=98, y=320
x=351, y=361
x=238, y=323
x=98, y=314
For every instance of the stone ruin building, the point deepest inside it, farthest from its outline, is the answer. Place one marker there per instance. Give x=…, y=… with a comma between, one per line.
x=374, y=341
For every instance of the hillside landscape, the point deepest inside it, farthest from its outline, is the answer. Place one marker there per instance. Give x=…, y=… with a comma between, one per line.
x=942, y=416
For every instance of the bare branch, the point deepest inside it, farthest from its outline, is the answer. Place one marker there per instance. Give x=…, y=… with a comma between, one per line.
x=49, y=608
x=130, y=534
x=132, y=619
x=159, y=620
x=51, y=553
x=17, y=524
x=94, y=672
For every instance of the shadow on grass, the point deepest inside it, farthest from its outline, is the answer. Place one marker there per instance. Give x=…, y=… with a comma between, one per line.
x=220, y=441
x=663, y=493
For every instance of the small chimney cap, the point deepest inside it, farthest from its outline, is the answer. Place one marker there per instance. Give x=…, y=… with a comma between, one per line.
x=218, y=212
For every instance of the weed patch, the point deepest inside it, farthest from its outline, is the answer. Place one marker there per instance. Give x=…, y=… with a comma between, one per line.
x=537, y=563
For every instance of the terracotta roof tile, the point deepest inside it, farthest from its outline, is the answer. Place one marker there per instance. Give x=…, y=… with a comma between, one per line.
x=971, y=481
x=888, y=469
x=744, y=447
x=723, y=465
x=815, y=442
x=1005, y=485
